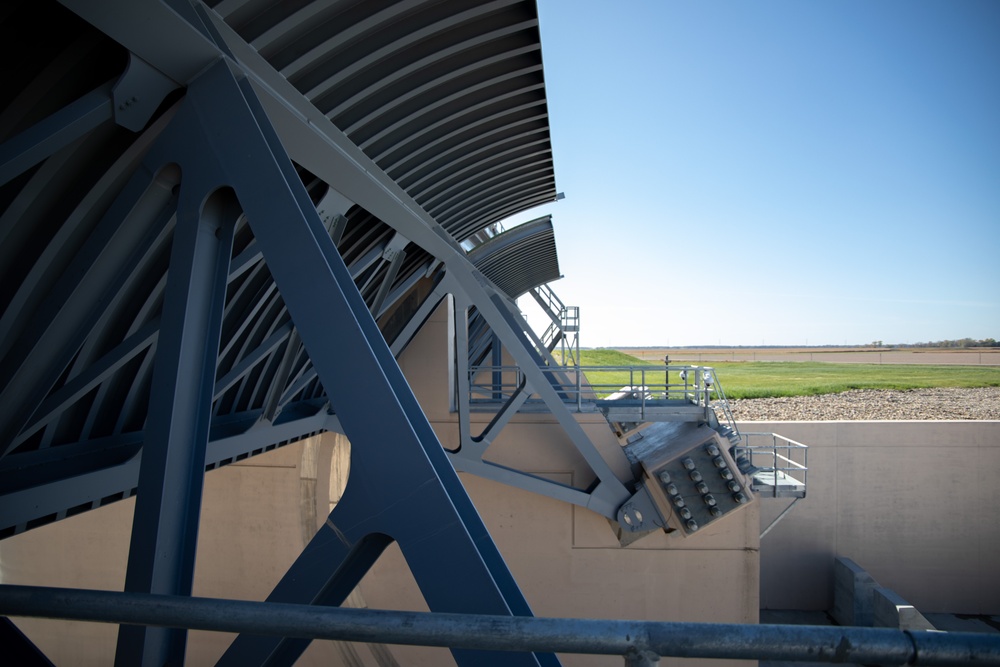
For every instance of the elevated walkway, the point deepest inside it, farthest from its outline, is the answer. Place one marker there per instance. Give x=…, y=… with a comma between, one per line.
x=782, y=464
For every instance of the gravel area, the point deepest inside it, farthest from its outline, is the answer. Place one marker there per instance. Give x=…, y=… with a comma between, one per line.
x=874, y=404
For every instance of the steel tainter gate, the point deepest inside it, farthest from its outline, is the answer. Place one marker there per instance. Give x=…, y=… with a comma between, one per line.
x=220, y=224
x=215, y=217
x=195, y=254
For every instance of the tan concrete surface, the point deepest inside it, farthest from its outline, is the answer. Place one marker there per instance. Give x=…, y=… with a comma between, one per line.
x=913, y=503
x=251, y=531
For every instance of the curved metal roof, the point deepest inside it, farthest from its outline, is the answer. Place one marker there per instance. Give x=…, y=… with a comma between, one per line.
x=447, y=98
x=519, y=258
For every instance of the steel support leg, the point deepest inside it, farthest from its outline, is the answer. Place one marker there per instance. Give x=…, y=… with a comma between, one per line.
x=402, y=484
x=165, y=524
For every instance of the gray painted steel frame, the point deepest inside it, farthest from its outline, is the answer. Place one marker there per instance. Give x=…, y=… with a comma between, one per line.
x=469, y=143
x=168, y=507
x=396, y=457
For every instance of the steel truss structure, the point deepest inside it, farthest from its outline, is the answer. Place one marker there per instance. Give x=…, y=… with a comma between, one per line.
x=221, y=224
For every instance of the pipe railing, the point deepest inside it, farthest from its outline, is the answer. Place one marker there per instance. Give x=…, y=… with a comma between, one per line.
x=638, y=642
x=786, y=459
x=656, y=380
x=696, y=385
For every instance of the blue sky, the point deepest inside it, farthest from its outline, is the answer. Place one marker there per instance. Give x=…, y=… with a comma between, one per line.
x=775, y=172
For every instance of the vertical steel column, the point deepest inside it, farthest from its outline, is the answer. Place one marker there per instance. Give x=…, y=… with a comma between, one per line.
x=497, y=357
x=165, y=524
x=472, y=447
x=462, y=371
x=402, y=485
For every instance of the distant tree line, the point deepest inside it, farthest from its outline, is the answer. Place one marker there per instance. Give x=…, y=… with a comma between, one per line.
x=961, y=342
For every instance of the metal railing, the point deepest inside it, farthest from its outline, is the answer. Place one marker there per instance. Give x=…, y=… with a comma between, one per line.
x=548, y=300
x=550, y=335
x=783, y=463
x=587, y=386
x=781, y=468
x=570, y=318
x=638, y=642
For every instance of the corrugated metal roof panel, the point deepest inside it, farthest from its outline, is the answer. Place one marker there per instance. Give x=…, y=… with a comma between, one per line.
x=519, y=258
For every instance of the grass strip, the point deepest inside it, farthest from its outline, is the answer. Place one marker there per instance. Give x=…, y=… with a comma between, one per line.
x=761, y=379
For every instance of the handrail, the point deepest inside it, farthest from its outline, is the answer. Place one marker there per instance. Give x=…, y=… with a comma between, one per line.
x=697, y=386
x=550, y=298
x=765, y=452
x=569, y=318
x=722, y=401
x=638, y=642
x=550, y=334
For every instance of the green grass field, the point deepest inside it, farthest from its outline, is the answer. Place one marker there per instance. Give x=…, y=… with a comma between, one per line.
x=788, y=378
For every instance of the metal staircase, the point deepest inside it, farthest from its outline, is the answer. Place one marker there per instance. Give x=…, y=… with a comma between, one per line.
x=564, y=325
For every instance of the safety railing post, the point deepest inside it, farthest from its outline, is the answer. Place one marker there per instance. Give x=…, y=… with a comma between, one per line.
x=666, y=377
x=642, y=404
x=774, y=459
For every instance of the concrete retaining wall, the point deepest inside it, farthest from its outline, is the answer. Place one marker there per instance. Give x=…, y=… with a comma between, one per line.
x=853, y=588
x=890, y=610
x=859, y=600
x=913, y=503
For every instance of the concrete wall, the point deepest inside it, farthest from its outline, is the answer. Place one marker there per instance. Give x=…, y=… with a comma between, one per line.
x=254, y=521
x=913, y=503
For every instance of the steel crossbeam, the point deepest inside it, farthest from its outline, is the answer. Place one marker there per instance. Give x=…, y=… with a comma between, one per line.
x=234, y=440
x=27, y=149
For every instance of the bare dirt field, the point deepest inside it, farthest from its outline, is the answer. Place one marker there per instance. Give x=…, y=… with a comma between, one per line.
x=986, y=356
